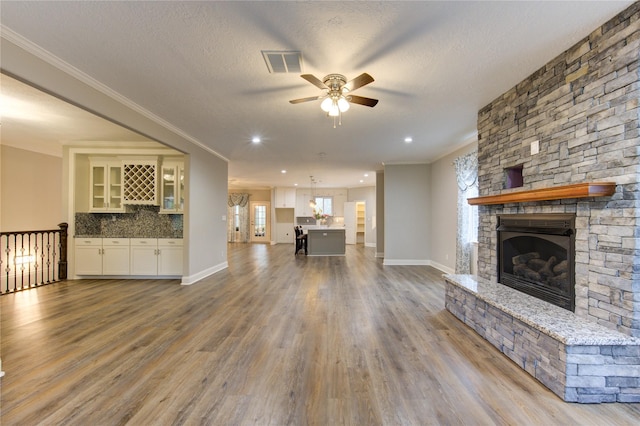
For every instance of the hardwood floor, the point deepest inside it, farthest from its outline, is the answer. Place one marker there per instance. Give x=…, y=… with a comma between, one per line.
x=273, y=340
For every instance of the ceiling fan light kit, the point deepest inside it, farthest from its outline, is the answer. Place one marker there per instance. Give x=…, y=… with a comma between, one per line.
x=336, y=99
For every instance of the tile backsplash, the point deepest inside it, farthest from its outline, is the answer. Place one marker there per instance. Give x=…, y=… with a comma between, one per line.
x=137, y=222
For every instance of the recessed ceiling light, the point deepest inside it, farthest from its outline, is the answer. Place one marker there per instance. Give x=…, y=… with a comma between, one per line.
x=366, y=175
x=256, y=139
x=295, y=184
x=361, y=181
x=283, y=171
x=408, y=139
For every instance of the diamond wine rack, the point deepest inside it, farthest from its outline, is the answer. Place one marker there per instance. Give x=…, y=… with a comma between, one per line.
x=140, y=183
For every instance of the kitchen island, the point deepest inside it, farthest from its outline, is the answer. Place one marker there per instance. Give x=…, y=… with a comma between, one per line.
x=326, y=241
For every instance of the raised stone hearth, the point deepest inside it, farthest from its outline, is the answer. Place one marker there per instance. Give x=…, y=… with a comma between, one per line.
x=582, y=109
x=578, y=360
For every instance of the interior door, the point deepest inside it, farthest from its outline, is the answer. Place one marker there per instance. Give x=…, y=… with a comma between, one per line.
x=350, y=222
x=260, y=222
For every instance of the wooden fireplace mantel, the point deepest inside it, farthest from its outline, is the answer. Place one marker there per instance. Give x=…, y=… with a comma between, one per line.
x=578, y=190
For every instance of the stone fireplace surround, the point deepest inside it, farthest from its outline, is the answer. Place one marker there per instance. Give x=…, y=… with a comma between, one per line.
x=583, y=108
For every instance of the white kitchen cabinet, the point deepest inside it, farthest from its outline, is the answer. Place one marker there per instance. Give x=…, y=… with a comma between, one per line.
x=115, y=256
x=170, y=256
x=285, y=198
x=105, y=186
x=151, y=256
x=88, y=256
x=144, y=256
x=302, y=204
x=172, y=187
x=102, y=256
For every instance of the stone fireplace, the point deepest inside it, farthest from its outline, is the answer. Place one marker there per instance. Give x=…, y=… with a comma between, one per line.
x=582, y=110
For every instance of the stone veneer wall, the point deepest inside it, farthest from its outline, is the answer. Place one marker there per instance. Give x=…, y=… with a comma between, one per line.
x=583, y=108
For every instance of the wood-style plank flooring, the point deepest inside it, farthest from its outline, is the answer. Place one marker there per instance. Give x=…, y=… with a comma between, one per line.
x=275, y=339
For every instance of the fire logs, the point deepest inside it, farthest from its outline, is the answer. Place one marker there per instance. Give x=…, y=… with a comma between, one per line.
x=533, y=267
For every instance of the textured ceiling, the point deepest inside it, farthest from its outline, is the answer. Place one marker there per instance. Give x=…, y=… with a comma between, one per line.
x=198, y=65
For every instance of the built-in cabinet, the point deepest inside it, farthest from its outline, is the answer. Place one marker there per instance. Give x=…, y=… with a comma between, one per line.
x=102, y=256
x=303, y=197
x=105, y=186
x=118, y=181
x=172, y=187
x=285, y=198
x=151, y=256
x=128, y=256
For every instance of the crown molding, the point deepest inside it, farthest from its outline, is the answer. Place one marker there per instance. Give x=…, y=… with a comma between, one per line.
x=37, y=51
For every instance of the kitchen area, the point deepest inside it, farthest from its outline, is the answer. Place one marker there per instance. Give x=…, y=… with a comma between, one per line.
x=329, y=218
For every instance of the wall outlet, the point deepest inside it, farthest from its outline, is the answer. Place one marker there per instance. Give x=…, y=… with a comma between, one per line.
x=224, y=218
x=535, y=147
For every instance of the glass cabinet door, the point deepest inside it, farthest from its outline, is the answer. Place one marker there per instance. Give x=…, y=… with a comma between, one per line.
x=115, y=188
x=181, y=188
x=98, y=178
x=169, y=188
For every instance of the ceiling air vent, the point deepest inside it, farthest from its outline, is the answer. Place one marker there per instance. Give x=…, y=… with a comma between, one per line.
x=283, y=61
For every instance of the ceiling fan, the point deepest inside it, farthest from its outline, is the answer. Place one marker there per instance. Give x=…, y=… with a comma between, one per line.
x=337, y=93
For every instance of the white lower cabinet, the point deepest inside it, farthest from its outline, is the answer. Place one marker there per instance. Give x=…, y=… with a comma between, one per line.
x=150, y=256
x=88, y=256
x=144, y=256
x=124, y=256
x=102, y=256
x=169, y=256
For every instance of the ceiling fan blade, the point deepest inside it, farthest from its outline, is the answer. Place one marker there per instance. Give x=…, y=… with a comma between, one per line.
x=361, y=80
x=362, y=100
x=314, y=80
x=309, y=99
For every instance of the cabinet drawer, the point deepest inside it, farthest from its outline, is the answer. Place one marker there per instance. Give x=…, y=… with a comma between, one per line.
x=88, y=242
x=143, y=242
x=169, y=242
x=108, y=242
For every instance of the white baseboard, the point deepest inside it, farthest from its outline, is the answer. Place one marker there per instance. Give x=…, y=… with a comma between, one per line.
x=417, y=262
x=192, y=279
x=379, y=254
x=406, y=262
x=442, y=268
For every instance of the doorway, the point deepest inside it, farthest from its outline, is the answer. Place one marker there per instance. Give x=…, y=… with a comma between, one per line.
x=260, y=220
x=354, y=222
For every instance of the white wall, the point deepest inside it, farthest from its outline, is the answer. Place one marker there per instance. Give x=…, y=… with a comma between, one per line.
x=444, y=210
x=31, y=190
x=206, y=206
x=407, y=202
x=368, y=195
x=205, y=232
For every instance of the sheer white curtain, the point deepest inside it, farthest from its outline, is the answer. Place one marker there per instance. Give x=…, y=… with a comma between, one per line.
x=238, y=218
x=467, y=176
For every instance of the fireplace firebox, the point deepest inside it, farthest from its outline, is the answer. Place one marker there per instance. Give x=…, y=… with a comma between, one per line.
x=536, y=256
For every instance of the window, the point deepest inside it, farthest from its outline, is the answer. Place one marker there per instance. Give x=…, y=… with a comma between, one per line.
x=236, y=217
x=472, y=215
x=324, y=205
